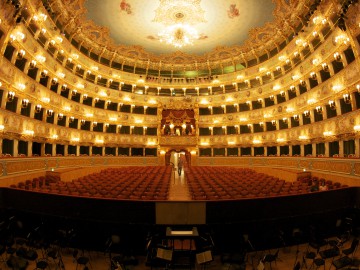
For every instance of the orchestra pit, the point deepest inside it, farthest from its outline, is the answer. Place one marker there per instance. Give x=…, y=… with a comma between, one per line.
x=179, y=134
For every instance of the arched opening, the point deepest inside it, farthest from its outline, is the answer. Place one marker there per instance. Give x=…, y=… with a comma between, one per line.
x=172, y=157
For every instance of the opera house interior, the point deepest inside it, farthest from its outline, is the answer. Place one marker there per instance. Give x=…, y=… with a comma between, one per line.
x=179, y=134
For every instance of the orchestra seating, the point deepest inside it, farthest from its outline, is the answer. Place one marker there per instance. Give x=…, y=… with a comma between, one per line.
x=226, y=183
x=153, y=183
x=134, y=183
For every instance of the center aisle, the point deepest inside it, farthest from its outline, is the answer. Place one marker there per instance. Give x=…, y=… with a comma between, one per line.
x=179, y=190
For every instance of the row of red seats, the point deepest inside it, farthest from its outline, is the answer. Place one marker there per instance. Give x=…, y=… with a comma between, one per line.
x=226, y=183
x=134, y=183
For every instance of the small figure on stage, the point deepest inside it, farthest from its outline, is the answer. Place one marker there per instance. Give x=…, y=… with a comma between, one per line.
x=180, y=165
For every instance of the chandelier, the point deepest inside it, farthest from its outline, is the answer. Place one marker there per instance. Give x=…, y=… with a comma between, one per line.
x=179, y=18
x=179, y=35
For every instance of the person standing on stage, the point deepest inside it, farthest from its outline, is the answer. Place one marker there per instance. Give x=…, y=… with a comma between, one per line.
x=180, y=165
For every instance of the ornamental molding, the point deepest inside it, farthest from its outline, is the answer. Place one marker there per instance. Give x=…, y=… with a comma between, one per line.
x=287, y=15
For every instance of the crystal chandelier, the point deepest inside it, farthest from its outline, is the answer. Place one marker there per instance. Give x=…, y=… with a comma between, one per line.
x=179, y=18
x=179, y=35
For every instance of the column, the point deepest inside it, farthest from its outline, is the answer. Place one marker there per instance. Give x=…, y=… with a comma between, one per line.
x=290, y=151
x=278, y=150
x=302, y=150
x=341, y=148
x=16, y=148
x=327, y=150
x=357, y=152
x=252, y=151
x=77, y=150
x=90, y=150
x=18, y=105
x=4, y=99
x=116, y=151
x=53, y=150
x=66, y=150
x=353, y=101
x=212, y=152
x=313, y=153
x=265, y=151
x=42, y=149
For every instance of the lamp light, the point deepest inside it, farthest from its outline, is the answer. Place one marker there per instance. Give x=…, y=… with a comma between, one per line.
x=10, y=96
x=38, y=108
x=60, y=116
x=332, y=104
x=319, y=109
x=347, y=98
x=296, y=117
x=49, y=113
x=24, y=103
x=307, y=114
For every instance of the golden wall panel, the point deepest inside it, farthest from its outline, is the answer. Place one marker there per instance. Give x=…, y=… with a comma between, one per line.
x=24, y=165
x=357, y=168
x=51, y=163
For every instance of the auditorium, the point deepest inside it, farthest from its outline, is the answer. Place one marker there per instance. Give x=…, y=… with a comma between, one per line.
x=180, y=134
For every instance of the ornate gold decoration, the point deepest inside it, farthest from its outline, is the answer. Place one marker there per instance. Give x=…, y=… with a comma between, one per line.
x=73, y=16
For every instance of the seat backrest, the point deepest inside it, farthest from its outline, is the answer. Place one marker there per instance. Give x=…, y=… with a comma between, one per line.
x=354, y=244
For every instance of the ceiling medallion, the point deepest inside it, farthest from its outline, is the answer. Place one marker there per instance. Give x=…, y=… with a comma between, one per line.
x=179, y=18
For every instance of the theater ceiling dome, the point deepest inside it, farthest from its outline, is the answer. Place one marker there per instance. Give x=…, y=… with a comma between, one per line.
x=183, y=31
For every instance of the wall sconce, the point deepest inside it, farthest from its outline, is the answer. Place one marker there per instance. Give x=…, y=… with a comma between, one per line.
x=74, y=92
x=307, y=114
x=337, y=56
x=108, y=102
x=32, y=64
x=94, y=124
x=145, y=108
x=313, y=75
x=172, y=126
x=60, y=116
x=63, y=87
x=278, y=68
x=99, y=77
x=319, y=109
x=249, y=126
x=223, y=108
x=292, y=88
x=43, y=73
x=38, y=108
x=285, y=120
x=248, y=103
x=10, y=96
x=247, y=82
x=272, y=97
x=20, y=54
x=296, y=118
x=82, y=122
x=96, y=100
x=303, y=83
x=24, y=103
x=332, y=104
x=325, y=67
x=209, y=107
x=261, y=124
x=54, y=81
x=273, y=122
x=347, y=98
x=121, y=104
x=71, y=119
x=49, y=113
x=287, y=61
x=358, y=88
x=268, y=73
x=78, y=67
x=282, y=93
x=85, y=96
x=259, y=100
